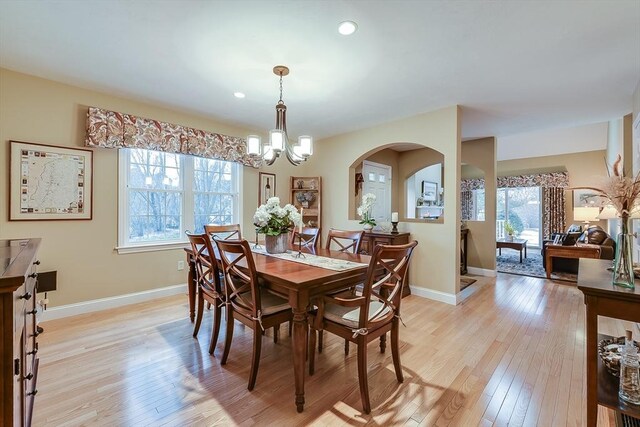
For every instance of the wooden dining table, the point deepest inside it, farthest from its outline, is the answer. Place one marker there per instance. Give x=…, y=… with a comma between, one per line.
x=299, y=284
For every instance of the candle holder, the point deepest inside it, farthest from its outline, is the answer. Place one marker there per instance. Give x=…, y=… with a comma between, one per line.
x=299, y=254
x=394, y=230
x=256, y=245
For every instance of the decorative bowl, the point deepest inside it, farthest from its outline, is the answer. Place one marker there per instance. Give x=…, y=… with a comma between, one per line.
x=610, y=351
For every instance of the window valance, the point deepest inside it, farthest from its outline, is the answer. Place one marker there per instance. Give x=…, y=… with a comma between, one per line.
x=545, y=180
x=471, y=184
x=110, y=129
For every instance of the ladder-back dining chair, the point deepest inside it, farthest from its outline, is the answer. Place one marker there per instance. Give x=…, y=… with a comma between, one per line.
x=344, y=241
x=209, y=286
x=246, y=301
x=363, y=318
x=307, y=241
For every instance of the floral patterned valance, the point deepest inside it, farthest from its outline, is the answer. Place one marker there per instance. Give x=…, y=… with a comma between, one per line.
x=471, y=184
x=110, y=129
x=545, y=180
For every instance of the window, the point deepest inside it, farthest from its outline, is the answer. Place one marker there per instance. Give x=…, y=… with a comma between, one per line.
x=520, y=206
x=164, y=194
x=478, y=205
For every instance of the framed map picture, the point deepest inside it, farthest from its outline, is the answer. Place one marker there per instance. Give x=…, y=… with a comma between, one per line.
x=50, y=182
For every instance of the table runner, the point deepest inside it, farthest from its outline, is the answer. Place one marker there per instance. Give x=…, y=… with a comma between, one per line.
x=334, y=264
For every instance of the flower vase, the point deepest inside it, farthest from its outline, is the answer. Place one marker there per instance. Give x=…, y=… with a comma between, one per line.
x=276, y=244
x=623, y=262
x=367, y=227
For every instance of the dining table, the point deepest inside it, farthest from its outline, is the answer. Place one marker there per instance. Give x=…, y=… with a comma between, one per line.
x=299, y=283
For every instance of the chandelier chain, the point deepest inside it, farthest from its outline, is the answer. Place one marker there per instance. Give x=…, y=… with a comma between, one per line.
x=281, y=101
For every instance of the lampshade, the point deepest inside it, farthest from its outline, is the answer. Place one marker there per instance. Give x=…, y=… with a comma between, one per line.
x=608, y=212
x=585, y=213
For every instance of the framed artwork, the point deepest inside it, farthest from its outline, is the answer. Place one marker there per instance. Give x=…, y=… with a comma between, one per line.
x=266, y=187
x=50, y=182
x=430, y=191
x=588, y=198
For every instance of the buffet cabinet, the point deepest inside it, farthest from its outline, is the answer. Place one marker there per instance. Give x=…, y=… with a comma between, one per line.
x=18, y=342
x=371, y=239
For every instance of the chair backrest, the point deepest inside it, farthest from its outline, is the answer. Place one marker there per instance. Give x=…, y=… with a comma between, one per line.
x=307, y=240
x=225, y=232
x=344, y=241
x=384, y=281
x=207, y=274
x=241, y=285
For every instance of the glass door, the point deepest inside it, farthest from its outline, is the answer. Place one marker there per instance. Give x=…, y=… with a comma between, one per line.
x=520, y=207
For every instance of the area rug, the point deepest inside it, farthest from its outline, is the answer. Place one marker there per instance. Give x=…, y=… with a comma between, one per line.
x=509, y=262
x=466, y=281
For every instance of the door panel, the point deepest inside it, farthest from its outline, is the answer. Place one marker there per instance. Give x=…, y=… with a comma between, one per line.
x=377, y=180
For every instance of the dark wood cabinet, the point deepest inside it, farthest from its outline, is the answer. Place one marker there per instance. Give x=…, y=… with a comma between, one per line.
x=18, y=343
x=373, y=238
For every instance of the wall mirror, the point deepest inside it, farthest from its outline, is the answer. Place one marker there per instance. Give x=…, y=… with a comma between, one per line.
x=472, y=195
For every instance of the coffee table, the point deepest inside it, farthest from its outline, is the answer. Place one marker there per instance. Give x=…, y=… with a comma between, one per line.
x=517, y=244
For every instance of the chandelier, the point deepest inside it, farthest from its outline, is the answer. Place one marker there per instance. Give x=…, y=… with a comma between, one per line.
x=278, y=138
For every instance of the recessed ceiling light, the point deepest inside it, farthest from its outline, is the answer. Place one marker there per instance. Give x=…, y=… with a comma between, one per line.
x=238, y=95
x=347, y=28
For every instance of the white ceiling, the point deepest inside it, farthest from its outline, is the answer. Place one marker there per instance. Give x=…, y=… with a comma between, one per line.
x=515, y=66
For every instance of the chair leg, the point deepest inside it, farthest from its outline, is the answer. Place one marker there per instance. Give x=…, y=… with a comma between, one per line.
x=215, y=331
x=383, y=343
x=311, y=354
x=255, y=358
x=395, y=350
x=290, y=328
x=228, y=336
x=276, y=331
x=320, y=340
x=199, y=314
x=208, y=305
x=362, y=375
x=346, y=347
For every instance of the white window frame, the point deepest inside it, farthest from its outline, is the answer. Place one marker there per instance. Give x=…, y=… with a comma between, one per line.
x=187, y=215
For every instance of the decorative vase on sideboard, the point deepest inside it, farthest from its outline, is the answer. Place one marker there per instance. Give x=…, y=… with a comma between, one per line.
x=623, y=263
x=276, y=244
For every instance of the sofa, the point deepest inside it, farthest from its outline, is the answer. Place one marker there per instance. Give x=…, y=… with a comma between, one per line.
x=593, y=235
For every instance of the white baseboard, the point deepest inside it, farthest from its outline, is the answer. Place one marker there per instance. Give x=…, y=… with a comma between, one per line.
x=110, y=302
x=434, y=295
x=481, y=272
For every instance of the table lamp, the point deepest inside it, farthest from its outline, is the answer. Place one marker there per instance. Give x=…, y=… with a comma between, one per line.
x=586, y=214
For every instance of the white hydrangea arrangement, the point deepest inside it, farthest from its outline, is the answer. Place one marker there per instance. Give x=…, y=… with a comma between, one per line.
x=272, y=220
x=364, y=210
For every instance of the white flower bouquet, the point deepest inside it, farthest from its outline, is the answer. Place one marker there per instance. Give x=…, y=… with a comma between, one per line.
x=272, y=220
x=364, y=210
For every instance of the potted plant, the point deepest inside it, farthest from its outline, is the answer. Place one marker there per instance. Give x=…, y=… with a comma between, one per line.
x=275, y=222
x=508, y=228
x=364, y=211
x=304, y=198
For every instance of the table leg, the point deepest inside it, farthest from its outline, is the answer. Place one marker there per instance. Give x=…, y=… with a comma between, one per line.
x=549, y=265
x=299, y=348
x=525, y=250
x=520, y=256
x=592, y=367
x=191, y=286
x=500, y=251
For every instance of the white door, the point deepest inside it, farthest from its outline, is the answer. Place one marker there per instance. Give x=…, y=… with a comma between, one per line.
x=377, y=180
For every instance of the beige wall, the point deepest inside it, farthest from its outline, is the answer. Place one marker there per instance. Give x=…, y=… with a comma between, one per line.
x=436, y=262
x=481, y=250
x=42, y=111
x=584, y=169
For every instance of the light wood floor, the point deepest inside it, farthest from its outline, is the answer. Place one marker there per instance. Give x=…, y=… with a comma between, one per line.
x=511, y=354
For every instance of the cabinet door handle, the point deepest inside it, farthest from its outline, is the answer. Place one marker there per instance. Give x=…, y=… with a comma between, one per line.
x=36, y=262
x=28, y=377
x=33, y=312
x=33, y=275
x=32, y=393
x=26, y=296
x=33, y=352
x=36, y=333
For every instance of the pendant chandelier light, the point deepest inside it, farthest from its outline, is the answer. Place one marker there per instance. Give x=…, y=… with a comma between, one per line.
x=278, y=138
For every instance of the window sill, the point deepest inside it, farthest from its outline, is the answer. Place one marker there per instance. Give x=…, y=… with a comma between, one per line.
x=150, y=247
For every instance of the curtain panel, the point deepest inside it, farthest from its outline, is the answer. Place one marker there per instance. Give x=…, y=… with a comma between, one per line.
x=471, y=184
x=110, y=129
x=466, y=205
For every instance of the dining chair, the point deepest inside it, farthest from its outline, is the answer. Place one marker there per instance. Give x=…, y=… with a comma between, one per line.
x=307, y=240
x=363, y=318
x=344, y=241
x=226, y=231
x=246, y=301
x=208, y=284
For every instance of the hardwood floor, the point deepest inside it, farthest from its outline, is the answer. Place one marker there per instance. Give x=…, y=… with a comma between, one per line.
x=511, y=354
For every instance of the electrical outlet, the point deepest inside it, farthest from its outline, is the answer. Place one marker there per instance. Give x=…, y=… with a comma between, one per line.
x=180, y=265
